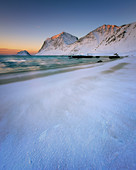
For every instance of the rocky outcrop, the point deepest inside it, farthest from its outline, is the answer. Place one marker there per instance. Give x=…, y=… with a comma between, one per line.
x=23, y=53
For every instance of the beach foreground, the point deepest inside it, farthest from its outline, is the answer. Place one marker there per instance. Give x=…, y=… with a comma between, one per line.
x=83, y=119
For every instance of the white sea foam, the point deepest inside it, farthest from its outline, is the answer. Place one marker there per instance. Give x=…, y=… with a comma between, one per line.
x=17, y=61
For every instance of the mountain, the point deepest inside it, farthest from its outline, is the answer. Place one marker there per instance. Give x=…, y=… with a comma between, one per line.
x=105, y=40
x=93, y=40
x=108, y=39
x=56, y=44
x=24, y=53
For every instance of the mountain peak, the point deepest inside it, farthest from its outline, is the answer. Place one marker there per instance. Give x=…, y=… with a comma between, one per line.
x=59, y=41
x=108, y=27
x=56, y=36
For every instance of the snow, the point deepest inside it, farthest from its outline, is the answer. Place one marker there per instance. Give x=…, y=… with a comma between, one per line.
x=56, y=44
x=121, y=45
x=68, y=38
x=84, y=119
x=96, y=36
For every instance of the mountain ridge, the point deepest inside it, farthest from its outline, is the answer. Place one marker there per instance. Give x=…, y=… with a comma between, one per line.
x=106, y=39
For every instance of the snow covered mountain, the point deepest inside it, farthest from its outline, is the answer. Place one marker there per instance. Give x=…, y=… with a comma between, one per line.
x=57, y=44
x=107, y=39
x=23, y=53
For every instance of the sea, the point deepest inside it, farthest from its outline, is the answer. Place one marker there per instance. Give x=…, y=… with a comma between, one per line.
x=17, y=68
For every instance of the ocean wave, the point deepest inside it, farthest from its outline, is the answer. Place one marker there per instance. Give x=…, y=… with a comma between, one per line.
x=16, y=61
x=14, y=64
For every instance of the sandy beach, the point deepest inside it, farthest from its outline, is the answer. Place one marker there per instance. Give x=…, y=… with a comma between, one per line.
x=81, y=119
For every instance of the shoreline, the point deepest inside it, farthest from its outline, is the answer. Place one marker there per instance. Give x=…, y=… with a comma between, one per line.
x=7, y=78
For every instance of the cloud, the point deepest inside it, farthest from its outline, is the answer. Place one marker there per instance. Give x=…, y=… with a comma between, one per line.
x=6, y=51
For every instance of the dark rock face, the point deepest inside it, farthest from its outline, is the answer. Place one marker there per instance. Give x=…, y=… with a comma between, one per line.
x=24, y=53
x=114, y=57
x=99, y=61
x=80, y=56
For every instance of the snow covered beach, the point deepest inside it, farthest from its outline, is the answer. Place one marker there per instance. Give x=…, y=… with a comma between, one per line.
x=83, y=119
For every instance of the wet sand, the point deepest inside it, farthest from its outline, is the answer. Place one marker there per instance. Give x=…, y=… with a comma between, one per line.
x=115, y=68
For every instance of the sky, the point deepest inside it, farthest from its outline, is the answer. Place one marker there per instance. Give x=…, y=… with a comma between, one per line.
x=24, y=25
